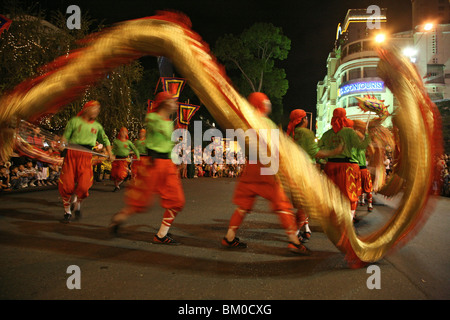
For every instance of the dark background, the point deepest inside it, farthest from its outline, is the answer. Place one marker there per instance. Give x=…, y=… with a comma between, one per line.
x=311, y=26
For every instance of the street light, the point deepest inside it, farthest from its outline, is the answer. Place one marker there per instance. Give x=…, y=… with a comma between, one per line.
x=381, y=37
x=428, y=26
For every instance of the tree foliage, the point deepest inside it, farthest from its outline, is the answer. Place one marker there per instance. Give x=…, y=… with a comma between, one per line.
x=250, y=61
x=32, y=41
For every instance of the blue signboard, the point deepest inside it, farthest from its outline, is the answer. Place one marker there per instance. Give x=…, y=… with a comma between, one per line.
x=370, y=86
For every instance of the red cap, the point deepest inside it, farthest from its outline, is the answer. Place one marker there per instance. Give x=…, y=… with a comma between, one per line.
x=160, y=98
x=123, y=129
x=257, y=100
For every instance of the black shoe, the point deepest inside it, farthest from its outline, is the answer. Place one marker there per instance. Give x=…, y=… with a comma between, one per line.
x=77, y=214
x=235, y=243
x=116, y=189
x=114, y=228
x=66, y=218
x=301, y=238
x=165, y=240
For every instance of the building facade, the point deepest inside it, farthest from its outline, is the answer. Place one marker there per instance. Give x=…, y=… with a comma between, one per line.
x=352, y=65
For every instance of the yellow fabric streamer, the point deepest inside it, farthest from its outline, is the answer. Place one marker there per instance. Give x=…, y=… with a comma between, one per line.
x=163, y=35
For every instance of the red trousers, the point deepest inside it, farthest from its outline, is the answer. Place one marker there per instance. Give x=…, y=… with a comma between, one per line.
x=366, y=181
x=252, y=185
x=119, y=170
x=135, y=164
x=155, y=176
x=345, y=176
x=76, y=175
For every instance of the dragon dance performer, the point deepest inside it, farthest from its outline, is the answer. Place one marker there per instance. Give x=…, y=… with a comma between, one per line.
x=343, y=169
x=157, y=174
x=365, y=178
x=121, y=148
x=252, y=184
x=305, y=138
x=76, y=174
x=141, y=146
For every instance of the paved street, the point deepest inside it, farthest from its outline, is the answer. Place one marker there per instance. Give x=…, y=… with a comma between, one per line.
x=36, y=250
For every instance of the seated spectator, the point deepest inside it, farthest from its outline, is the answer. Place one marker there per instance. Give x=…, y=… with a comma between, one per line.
x=31, y=173
x=4, y=180
x=53, y=174
x=14, y=178
x=42, y=173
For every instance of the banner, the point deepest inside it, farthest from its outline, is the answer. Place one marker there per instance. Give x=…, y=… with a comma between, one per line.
x=185, y=113
x=4, y=23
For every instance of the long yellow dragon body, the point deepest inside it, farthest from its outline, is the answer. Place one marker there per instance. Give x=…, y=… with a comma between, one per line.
x=170, y=35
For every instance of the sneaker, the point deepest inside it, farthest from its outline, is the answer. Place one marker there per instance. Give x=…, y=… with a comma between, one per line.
x=116, y=189
x=298, y=249
x=66, y=218
x=165, y=240
x=300, y=237
x=369, y=209
x=306, y=235
x=235, y=243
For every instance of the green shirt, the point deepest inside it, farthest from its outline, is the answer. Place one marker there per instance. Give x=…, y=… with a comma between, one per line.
x=331, y=140
x=360, y=156
x=122, y=148
x=141, y=146
x=159, y=133
x=305, y=138
x=82, y=132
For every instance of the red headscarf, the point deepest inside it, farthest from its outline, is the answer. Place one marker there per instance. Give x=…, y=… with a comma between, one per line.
x=349, y=123
x=257, y=99
x=160, y=98
x=339, y=119
x=295, y=118
x=123, y=129
x=87, y=105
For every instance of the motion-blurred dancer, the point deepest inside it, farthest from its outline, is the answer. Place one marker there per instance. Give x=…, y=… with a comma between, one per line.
x=252, y=184
x=157, y=174
x=364, y=176
x=343, y=169
x=140, y=145
x=121, y=149
x=305, y=138
x=76, y=174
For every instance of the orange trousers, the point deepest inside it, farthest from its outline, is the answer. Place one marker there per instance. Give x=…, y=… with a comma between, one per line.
x=119, y=170
x=366, y=181
x=76, y=175
x=345, y=176
x=135, y=165
x=252, y=185
x=155, y=176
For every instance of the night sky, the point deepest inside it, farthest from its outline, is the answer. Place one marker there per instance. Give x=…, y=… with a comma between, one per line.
x=311, y=26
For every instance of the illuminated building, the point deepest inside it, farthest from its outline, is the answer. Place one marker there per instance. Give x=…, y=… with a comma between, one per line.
x=351, y=66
